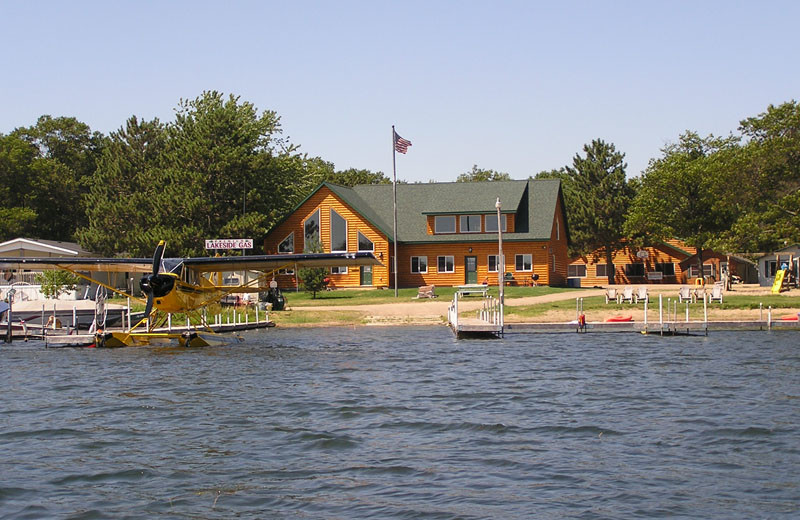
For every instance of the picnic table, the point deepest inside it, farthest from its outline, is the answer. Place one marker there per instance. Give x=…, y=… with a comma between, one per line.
x=472, y=288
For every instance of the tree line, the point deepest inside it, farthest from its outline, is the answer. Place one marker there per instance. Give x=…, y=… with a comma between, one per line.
x=738, y=193
x=221, y=168
x=224, y=168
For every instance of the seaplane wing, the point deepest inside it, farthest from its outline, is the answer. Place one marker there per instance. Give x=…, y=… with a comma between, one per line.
x=272, y=262
x=113, y=265
x=196, y=264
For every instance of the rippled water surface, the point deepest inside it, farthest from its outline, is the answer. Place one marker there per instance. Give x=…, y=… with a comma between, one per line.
x=405, y=423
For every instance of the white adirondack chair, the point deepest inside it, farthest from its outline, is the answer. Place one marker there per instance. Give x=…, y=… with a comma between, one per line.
x=716, y=293
x=627, y=294
x=685, y=294
x=611, y=295
x=642, y=294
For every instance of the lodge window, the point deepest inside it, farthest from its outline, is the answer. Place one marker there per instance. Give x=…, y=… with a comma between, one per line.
x=419, y=264
x=601, y=269
x=286, y=271
x=287, y=245
x=311, y=230
x=491, y=223
x=444, y=223
x=470, y=223
x=339, y=270
x=493, y=263
x=365, y=244
x=445, y=264
x=634, y=269
x=668, y=268
x=338, y=232
x=576, y=271
x=523, y=262
x=708, y=270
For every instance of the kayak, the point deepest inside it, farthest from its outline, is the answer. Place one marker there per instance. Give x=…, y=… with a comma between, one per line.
x=620, y=318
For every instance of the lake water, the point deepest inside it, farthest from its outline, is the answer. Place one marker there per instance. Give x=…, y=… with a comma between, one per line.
x=405, y=423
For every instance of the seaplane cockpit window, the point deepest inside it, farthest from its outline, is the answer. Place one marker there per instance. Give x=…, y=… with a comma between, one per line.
x=172, y=265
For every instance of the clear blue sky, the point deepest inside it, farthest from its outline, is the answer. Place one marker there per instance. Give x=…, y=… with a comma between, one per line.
x=514, y=86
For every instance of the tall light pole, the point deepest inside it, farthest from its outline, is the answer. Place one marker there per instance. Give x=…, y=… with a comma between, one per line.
x=501, y=261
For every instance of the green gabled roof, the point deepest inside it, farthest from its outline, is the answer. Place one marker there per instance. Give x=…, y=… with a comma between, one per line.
x=532, y=201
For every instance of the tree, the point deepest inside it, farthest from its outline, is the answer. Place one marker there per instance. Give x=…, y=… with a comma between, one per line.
x=66, y=155
x=597, y=195
x=16, y=216
x=353, y=176
x=762, y=181
x=126, y=195
x=56, y=282
x=220, y=169
x=313, y=278
x=479, y=175
x=679, y=193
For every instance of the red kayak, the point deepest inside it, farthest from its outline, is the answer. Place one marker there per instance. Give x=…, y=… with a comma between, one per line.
x=790, y=317
x=620, y=318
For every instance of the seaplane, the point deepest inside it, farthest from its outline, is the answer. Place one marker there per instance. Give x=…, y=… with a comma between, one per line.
x=181, y=285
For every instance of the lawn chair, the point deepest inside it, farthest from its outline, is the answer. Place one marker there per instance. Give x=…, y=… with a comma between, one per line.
x=716, y=293
x=685, y=294
x=642, y=295
x=627, y=295
x=611, y=295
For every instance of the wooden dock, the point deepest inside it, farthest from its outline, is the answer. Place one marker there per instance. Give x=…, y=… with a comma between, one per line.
x=489, y=322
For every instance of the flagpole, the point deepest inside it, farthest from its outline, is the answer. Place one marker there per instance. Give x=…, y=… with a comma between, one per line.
x=394, y=195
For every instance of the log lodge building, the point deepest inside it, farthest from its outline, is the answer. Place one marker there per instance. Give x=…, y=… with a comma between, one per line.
x=446, y=232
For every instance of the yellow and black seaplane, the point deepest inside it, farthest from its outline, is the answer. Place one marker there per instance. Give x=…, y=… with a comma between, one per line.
x=182, y=285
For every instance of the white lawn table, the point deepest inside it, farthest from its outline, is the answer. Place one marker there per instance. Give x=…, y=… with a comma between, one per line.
x=481, y=289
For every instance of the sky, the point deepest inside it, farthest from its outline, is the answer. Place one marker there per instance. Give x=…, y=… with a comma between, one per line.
x=514, y=86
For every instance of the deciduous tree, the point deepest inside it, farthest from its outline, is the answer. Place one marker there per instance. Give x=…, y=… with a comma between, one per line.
x=479, y=175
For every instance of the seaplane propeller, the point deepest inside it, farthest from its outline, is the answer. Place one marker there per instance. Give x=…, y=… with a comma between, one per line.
x=156, y=285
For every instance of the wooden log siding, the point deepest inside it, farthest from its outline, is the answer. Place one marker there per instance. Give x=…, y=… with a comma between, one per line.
x=539, y=252
x=627, y=255
x=324, y=200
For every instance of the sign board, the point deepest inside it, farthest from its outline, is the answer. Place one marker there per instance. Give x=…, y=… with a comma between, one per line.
x=655, y=275
x=230, y=243
x=642, y=254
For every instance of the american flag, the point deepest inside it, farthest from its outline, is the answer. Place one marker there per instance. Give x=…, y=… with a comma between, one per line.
x=400, y=144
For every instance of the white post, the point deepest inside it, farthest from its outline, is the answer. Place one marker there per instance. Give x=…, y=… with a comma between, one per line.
x=501, y=267
x=169, y=322
x=129, y=315
x=645, y=315
x=661, y=311
x=74, y=318
x=687, y=312
x=769, y=317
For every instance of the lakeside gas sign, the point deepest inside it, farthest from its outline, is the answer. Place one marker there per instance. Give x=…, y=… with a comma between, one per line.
x=230, y=243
